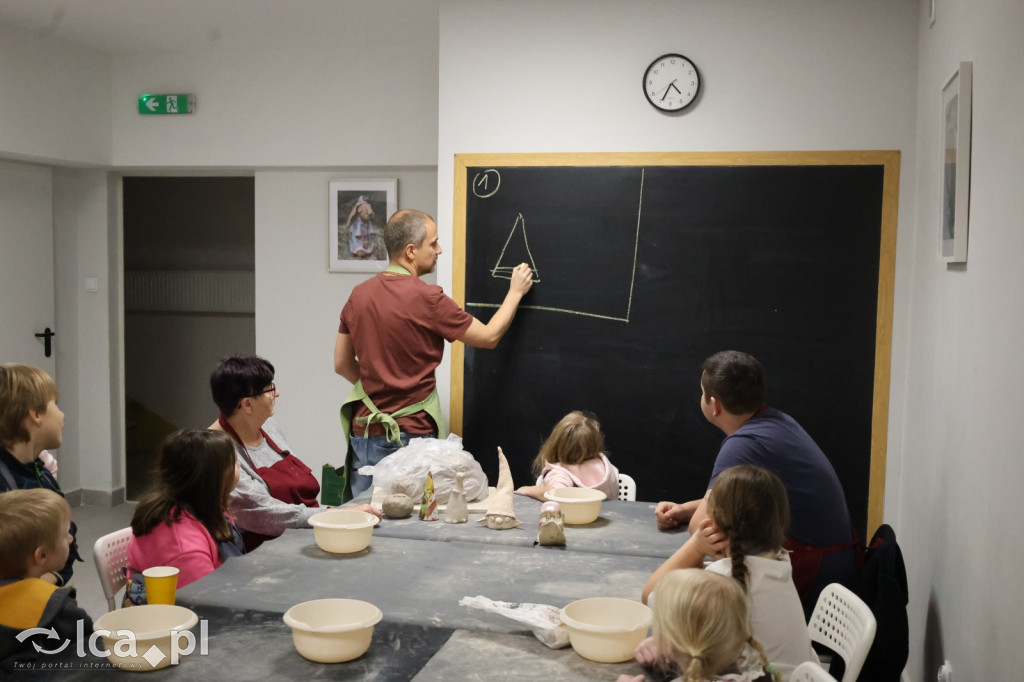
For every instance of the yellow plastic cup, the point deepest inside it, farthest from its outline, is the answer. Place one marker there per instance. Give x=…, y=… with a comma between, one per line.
x=161, y=584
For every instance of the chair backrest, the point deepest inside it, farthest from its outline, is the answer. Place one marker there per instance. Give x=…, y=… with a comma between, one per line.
x=111, y=556
x=810, y=671
x=627, y=488
x=843, y=623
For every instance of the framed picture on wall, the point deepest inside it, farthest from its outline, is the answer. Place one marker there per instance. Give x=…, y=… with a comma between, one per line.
x=956, y=164
x=359, y=209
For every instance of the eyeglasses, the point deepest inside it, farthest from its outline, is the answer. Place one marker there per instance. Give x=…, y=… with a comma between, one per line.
x=272, y=389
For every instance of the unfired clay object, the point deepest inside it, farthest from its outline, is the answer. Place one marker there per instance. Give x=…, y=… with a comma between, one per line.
x=457, y=510
x=550, y=527
x=500, y=514
x=397, y=506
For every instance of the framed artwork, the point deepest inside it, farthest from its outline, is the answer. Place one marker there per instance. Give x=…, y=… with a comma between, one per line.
x=359, y=209
x=956, y=164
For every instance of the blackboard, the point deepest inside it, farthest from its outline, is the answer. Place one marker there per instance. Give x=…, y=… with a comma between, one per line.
x=645, y=264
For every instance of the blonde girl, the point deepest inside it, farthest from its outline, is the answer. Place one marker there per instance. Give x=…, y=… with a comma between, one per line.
x=748, y=513
x=701, y=624
x=573, y=456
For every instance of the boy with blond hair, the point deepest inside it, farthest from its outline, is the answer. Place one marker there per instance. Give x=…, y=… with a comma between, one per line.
x=35, y=539
x=31, y=422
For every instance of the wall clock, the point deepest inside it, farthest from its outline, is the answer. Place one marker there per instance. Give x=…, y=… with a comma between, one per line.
x=671, y=82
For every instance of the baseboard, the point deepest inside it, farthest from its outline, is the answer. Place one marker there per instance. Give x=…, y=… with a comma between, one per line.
x=95, y=498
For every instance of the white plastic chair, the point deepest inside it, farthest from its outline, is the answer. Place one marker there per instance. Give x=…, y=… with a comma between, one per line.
x=809, y=671
x=843, y=623
x=627, y=487
x=111, y=556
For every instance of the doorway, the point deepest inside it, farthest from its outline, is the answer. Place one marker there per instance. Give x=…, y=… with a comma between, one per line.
x=189, y=300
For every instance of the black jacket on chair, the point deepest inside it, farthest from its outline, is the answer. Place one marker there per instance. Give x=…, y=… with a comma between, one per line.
x=883, y=587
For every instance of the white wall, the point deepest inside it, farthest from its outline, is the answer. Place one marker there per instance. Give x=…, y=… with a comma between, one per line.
x=55, y=102
x=298, y=302
x=87, y=364
x=961, y=458
x=359, y=92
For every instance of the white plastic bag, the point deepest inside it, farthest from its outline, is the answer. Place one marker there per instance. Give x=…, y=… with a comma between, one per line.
x=543, y=619
x=442, y=458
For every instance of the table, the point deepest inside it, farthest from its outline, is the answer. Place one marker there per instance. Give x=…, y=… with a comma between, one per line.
x=622, y=528
x=418, y=582
x=416, y=572
x=254, y=645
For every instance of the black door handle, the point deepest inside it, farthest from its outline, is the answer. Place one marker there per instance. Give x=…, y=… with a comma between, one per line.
x=46, y=336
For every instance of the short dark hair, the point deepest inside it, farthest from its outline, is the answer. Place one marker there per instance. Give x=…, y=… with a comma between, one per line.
x=407, y=226
x=237, y=377
x=735, y=379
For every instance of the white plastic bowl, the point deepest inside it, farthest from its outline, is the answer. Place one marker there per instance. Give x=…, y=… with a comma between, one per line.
x=579, y=505
x=606, y=629
x=332, y=630
x=152, y=625
x=343, y=531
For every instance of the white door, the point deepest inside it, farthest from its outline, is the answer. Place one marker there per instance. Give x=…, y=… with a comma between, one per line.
x=26, y=264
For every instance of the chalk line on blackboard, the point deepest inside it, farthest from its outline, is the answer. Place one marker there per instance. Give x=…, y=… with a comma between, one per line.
x=554, y=310
x=506, y=272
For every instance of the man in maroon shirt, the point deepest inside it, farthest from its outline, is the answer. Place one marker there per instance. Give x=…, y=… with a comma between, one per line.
x=391, y=338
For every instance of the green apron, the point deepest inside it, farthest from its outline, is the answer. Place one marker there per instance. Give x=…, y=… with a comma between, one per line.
x=431, y=405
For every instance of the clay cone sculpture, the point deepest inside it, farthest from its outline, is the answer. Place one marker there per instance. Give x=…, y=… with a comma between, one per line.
x=457, y=510
x=500, y=514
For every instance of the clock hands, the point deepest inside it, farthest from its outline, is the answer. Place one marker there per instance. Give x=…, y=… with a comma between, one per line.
x=671, y=85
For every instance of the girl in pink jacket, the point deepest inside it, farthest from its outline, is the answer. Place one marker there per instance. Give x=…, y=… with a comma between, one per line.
x=185, y=522
x=573, y=457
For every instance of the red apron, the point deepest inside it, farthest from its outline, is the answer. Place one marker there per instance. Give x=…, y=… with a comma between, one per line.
x=806, y=560
x=288, y=480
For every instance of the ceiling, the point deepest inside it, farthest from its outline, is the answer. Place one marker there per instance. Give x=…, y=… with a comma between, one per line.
x=123, y=26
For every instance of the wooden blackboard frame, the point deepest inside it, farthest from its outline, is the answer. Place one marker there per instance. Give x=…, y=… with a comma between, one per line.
x=888, y=160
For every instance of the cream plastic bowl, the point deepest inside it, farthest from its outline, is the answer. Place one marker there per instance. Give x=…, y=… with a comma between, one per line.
x=579, y=505
x=332, y=630
x=342, y=531
x=606, y=629
x=151, y=624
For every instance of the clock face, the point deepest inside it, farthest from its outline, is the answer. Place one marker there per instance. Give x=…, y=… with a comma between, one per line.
x=671, y=82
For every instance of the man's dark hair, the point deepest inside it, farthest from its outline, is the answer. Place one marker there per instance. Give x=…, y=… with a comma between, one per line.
x=735, y=379
x=237, y=377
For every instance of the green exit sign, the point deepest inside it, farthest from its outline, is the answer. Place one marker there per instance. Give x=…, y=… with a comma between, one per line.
x=151, y=105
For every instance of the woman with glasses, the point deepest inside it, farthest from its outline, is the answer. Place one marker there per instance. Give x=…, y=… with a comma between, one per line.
x=275, y=489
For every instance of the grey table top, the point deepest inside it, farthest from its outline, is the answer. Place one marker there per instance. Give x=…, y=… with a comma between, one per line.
x=417, y=582
x=488, y=657
x=622, y=528
x=256, y=645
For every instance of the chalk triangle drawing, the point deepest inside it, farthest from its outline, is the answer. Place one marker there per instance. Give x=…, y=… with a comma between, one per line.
x=503, y=268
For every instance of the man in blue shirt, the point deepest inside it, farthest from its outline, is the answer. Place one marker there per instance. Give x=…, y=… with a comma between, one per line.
x=820, y=537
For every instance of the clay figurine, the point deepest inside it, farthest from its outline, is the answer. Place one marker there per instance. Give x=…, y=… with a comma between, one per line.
x=428, y=506
x=500, y=514
x=457, y=510
x=550, y=528
x=397, y=506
